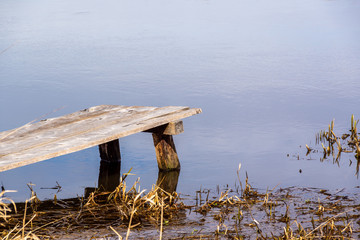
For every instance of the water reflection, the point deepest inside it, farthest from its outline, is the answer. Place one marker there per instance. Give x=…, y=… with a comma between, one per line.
x=110, y=168
x=268, y=75
x=109, y=176
x=110, y=165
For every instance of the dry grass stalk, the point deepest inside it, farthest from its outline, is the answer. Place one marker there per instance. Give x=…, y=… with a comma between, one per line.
x=4, y=207
x=119, y=236
x=161, y=218
x=19, y=231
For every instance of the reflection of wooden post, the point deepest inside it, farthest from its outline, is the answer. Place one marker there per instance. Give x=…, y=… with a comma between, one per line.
x=110, y=164
x=166, y=155
x=109, y=176
x=168, y=180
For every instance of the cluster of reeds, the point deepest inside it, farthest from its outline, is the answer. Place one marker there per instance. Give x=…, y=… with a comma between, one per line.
x=123, y=207
x=333, y=145
x=328, y=229
x=329, y=220
x=134, y=206
x=233, y=205
x=250, y=213
x=19, y=230
x=239, y=218
x=5, y=210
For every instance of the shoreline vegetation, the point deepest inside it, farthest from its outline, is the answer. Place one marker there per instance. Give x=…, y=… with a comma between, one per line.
x=241, y=212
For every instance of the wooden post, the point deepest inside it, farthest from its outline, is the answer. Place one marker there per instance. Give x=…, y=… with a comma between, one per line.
x=110, y=151
x=166, y=155
x=110, y=164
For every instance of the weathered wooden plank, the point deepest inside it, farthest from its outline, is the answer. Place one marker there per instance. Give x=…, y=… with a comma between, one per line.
x=58, y=122
x=87, y=128
x=57, y=130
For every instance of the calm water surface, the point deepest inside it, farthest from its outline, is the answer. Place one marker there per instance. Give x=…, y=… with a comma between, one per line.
x=268, y=75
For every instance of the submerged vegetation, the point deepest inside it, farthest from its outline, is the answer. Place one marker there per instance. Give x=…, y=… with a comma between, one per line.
x=242, y=213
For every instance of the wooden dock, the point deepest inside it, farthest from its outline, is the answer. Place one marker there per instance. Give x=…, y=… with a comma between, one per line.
x=100, y=125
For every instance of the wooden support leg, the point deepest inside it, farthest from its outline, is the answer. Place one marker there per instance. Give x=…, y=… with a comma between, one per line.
x=110, y=164
x=166, y=155
x=110, y=151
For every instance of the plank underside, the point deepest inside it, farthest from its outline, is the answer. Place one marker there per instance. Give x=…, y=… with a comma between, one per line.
x=83, y=129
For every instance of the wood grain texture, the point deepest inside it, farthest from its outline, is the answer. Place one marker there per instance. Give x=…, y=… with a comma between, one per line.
x=166, y=154
x=171, y=128
x=174, y=128
x=83, y=129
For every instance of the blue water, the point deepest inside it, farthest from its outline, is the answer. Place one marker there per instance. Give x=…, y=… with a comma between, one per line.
x=268, y=75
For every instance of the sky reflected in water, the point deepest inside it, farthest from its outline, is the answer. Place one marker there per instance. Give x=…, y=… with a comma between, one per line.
x=268, y=75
